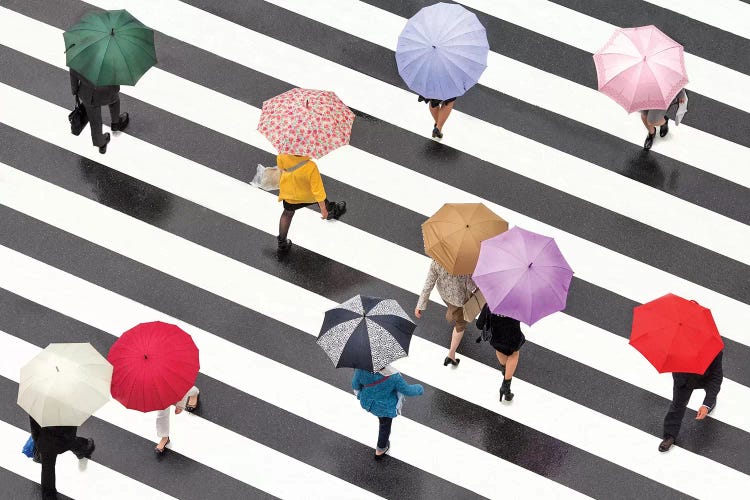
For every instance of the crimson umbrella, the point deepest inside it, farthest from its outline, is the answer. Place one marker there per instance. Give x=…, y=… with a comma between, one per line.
x=523, y=275
x=675, y=334
x=155, y=364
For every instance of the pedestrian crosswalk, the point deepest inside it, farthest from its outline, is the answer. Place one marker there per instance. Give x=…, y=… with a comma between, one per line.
x=166, y=227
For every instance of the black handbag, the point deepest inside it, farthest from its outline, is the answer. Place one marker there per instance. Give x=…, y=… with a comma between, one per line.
x=78, y=118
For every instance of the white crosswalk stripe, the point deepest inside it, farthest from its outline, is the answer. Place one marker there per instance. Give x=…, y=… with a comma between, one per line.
x=452, y=440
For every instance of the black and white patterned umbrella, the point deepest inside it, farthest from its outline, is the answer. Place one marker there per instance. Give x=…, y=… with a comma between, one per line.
x=366, y=332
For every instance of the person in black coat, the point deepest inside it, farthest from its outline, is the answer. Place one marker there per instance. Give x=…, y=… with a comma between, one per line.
x=53, y=441
x=93, y=98
x=507, y=339
x=684, y=384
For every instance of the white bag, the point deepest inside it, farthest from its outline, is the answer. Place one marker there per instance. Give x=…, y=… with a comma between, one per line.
x=267, y=178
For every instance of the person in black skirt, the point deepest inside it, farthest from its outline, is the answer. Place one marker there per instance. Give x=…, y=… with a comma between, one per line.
x=507, y=339
x=439, y=111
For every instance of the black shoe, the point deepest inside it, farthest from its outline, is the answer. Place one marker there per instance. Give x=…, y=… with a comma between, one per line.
x=505, y=390
x=103, y=149
x=160, y=451
x=387, y=447
x=89, y=450
x=283, y=246
x=122, y=124
x=336, y=209
x=649, y=140
x=437, y=133
x=666, y=444
x=191, y=409
x=664, y=129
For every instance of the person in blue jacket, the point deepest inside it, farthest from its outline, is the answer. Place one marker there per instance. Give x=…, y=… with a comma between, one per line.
x=381, y=394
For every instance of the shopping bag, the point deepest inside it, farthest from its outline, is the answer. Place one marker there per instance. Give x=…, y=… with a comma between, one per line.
x=474, y=305
x=267, y=178
x=28, y=448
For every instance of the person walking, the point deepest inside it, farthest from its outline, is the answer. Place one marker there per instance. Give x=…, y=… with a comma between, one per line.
x=53, y=441
x=93, y=98
x=653, y=118
x=382, y=395
x=190, y=402
x=684, y=385
x=300, y=186
x=440, y=110
x=455, y=290
x=507, y=339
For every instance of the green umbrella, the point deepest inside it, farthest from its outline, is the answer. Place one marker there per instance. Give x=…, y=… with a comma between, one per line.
x=110, y=48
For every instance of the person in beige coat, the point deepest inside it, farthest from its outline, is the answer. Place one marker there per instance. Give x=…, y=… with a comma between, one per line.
x=455, y=291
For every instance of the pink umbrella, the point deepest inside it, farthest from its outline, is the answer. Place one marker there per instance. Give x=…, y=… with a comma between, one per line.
x=523, y=275
x=641, y=68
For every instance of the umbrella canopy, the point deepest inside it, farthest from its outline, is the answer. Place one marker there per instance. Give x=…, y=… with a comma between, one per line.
x=641, y=68
x=110, y=48
x=306, y=122
x=453, y=234
x=523, y=275
x=366, y=332
x=675, y=334
x=442, y=51
x=155, y=364
x=64, y=384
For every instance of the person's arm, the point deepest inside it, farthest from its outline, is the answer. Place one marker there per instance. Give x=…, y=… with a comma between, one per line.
x=408, y=389
x=713, y=385
x=318, y=191
x=429, y=284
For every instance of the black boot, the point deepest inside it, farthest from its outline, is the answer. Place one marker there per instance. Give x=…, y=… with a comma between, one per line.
x=505, y=390
x=103, y=149
x=664, y=128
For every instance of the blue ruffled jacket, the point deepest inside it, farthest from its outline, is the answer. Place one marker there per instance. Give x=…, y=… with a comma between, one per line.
x=381, y=399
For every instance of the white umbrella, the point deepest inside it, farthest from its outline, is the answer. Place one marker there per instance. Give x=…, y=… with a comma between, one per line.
x=64, y=384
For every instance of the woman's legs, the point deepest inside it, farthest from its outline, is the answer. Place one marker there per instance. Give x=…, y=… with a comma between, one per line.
x=434, y=112
x=384, y=432
x=443, y=113
x=456, y=337
x=511, y=363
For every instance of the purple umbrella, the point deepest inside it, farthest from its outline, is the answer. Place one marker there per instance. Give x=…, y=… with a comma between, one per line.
x=442, y=51
x=523, y=275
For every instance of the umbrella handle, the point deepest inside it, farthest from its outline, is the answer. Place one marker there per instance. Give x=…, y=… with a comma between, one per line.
x=68, y=48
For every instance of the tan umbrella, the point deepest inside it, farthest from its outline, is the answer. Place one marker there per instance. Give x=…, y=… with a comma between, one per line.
x=64, y=384
x=453, y=234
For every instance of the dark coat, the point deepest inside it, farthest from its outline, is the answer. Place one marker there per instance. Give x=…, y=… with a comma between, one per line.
x=56, y=440
x=507, y=336
x=710, y=380
x=89, y=94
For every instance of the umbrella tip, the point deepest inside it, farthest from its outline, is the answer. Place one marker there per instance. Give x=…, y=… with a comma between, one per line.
x=56, y=368
x=145, y=356
x=530, y=264
x=112, y=33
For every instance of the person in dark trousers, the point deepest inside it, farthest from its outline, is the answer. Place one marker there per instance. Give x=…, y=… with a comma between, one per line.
x=684, y=384
x=653, y=118
x=93, y=98
x=382, y=394
x=53, y=441
x=507, y=339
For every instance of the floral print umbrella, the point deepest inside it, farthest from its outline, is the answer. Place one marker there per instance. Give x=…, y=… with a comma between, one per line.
x=306, y=122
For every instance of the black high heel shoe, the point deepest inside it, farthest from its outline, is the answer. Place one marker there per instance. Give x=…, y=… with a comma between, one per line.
x=448, y=361
x=191, y=409
x=505, y=391
x=160, y=451
x=437, y=133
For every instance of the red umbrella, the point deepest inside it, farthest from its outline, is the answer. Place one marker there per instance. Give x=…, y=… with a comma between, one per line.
x=676, y=334
x=155, y=364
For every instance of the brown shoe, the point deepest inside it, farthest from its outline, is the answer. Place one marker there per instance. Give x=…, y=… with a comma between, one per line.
x=666, y=444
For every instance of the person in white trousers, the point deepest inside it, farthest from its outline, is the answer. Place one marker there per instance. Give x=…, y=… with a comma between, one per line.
x=189, y=402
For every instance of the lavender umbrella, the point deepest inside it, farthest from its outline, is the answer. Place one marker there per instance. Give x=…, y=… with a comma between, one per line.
x=523, y=275
x=442, y=51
